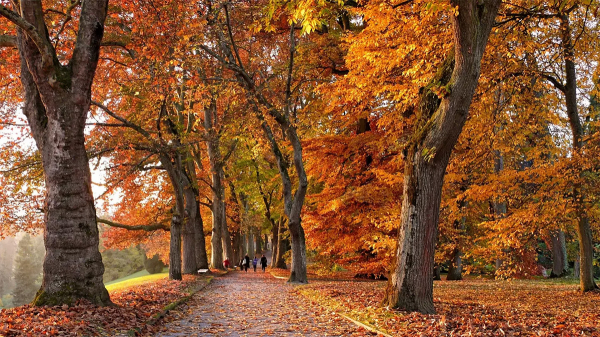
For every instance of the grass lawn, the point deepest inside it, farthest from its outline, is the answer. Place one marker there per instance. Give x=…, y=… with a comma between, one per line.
x=136, y=279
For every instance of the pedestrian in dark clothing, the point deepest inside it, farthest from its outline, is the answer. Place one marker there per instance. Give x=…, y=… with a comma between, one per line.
x=246, y=262
x=242, y=264
x=263, y=263
x=254, y=263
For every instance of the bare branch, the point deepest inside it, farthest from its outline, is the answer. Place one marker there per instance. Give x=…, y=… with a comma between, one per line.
x=147, y=228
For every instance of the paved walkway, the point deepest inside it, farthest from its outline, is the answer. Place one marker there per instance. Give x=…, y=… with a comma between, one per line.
x=255, y=304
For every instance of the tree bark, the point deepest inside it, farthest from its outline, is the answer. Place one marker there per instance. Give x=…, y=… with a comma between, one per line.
x=258, y=239
x=57, y=99
x=558, y=248
x=438, y=126
x=220, y=233
x=282, y=246
x=455, y=268
x=275, y=244
x=584, y=232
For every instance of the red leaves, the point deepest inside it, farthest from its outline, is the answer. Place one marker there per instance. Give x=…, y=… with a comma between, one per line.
x=133, y=308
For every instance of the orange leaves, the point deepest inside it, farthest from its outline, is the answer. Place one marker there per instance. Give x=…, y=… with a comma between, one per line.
x=134, y=307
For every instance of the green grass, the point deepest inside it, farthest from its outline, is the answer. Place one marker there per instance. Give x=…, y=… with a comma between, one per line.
x=135, y=279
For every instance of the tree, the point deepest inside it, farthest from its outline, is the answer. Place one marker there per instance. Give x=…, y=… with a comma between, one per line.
x=27, y=270
x=57, y=94
x=439, y=123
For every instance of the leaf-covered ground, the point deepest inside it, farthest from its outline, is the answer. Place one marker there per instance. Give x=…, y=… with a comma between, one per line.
x=255, y=304
x=471, y=307
x=134, y=307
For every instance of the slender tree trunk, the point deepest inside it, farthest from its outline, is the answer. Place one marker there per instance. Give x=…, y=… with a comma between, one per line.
x=438, y=126
x=226, y=237
x=584, y=232
x=282, y=246
x=558, y=248
x=220, y=239
x=250, y=246
x=275, y=244
x=577, y=268
x=57, y=100
x=455, y=267
x=258, y=239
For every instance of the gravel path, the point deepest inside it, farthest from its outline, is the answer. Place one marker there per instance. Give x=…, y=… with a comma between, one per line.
x=255, y=304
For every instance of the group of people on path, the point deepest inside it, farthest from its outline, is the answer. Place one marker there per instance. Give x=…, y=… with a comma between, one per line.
x=245, y=263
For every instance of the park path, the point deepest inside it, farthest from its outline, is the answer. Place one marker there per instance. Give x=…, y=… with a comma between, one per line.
x=255, y=304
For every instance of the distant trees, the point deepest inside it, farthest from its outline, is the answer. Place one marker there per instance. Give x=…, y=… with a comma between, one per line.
x=28, y=269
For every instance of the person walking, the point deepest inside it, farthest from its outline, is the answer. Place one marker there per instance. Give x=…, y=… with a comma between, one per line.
x=226, y=264
x=254, y=263
x=263, y=262
x=246, y=262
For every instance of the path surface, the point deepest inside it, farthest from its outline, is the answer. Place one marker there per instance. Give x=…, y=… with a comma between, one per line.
x=255, y=304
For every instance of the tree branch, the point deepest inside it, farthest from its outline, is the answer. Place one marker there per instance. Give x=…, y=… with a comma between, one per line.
x=147, y=228
x=554, y=82
x=43, y=45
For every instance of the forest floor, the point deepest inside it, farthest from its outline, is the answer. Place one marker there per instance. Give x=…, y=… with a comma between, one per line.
x=471, y=307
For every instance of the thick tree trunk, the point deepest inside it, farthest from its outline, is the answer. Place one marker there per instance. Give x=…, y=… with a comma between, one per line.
x=201, y=256
x=455, y=268
x=584, y=232
x=57, y=100
x=576, y=268
x=438, y=126
x=216, y=239
x=175, y=249
x=558, y=248
x=189, y=244
x=437, y=273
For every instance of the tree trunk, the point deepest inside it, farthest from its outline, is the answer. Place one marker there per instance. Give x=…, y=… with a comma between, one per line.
x=189, y=246
x=57, y=100
x=220, y=238
x=258, y=239
x=576, y=268
x=194, y=219
x=225, y=236
x=584, y=233
x=282, y=246
x=201, y=256
x=455, y=268
x=558, y=248
x=175, y=249
x=437, y=273
x=438, y=126
x=275, y=244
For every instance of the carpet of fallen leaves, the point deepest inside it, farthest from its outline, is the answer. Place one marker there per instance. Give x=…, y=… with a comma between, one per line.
x=473, y=307
x=133, y=308
x=255, y=304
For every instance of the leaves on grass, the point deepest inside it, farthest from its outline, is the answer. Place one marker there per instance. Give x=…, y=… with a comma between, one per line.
x=134, y=306
x=472, y=307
